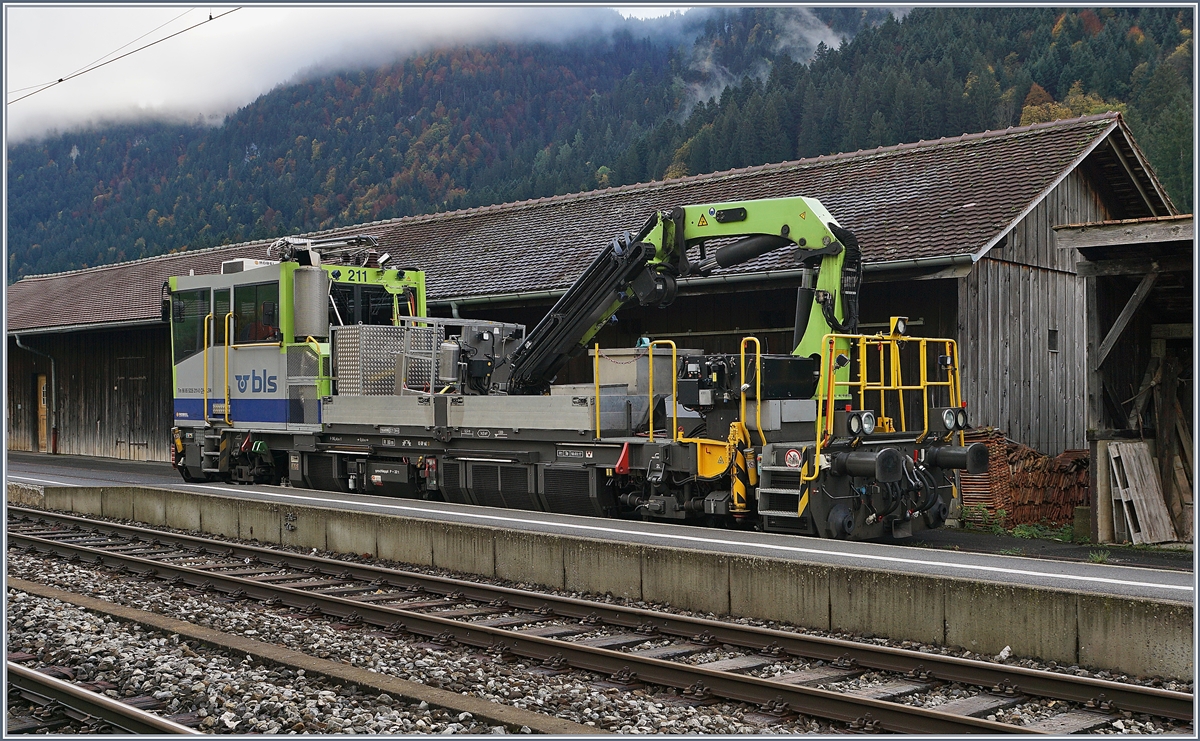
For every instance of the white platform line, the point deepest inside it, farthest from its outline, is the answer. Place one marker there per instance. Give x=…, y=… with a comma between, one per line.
x=40, y=481
x=719, y=541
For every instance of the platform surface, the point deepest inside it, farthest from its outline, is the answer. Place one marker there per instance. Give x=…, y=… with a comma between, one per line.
x=1174, y=583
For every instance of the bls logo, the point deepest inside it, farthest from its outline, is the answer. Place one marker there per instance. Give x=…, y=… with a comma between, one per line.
x=257, y=383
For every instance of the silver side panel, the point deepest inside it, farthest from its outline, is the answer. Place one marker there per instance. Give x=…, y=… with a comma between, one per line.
x=511, y=412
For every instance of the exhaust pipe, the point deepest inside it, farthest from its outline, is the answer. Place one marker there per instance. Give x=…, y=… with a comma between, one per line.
x=972, y=459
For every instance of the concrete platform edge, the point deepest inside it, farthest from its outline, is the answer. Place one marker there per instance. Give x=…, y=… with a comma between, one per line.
x=1140, y=637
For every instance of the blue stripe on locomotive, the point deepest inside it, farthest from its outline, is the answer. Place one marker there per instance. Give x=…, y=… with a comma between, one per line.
x=241, y=410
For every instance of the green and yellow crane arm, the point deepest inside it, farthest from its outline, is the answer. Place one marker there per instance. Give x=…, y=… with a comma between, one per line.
x=645, y=268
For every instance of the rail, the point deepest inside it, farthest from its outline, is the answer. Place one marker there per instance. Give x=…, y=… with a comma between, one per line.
x=674, y=388
x=156, y=553
x=118, y=714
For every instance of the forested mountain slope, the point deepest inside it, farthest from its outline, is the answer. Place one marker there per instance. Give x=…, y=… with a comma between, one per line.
x=459, y=127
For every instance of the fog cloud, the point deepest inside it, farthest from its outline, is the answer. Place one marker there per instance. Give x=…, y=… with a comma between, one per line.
x=210, y=71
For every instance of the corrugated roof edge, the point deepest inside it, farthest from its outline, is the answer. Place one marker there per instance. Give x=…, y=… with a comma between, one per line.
x=619, y=189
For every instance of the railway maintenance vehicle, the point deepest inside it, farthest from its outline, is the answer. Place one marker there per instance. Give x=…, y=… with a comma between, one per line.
x=320, y=368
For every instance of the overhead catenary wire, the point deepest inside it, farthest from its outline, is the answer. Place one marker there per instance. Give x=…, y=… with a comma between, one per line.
x=106, y=56
x=73, y=75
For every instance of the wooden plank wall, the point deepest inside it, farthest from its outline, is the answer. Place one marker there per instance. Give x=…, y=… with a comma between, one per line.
x=1013, y=380
x=113, y=396
x=1022, y=288
x=1031, y=242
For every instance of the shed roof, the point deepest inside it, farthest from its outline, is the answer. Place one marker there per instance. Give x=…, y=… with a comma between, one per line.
x=929, y=199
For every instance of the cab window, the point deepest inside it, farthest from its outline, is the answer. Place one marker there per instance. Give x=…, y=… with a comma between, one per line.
x=188, y=310
x=256, y=313
x=355, y=303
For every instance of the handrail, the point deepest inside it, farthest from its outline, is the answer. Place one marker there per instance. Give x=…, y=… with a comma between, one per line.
x=674, y=388
x=207, y=320
x=241, y=345
x=757, y=384
x=893, y=380
x=310, y=340
x=596, y=374
x=228, y=338
x=956, y=392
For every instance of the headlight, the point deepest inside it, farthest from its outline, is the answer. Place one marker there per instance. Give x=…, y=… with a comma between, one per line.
x=960, y=418
x=868, y=423
x=855, y=424
x=949, y=418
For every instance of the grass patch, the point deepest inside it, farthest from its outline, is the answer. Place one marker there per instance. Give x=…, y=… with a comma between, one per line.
x=978, y=519
x=1098, y=556
x=1012, y=552
x=1043, y=531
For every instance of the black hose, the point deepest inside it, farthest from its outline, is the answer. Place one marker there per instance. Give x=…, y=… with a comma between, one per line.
x=851, y=281
x=804, y=299
x=891, y=497
x=930, y=487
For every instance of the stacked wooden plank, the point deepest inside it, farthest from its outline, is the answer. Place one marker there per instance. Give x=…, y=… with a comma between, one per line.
x=987, y=496
x=1140, y=513
x=1046, y=489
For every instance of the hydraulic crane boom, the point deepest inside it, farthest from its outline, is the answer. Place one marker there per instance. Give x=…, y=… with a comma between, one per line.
x=644, y=268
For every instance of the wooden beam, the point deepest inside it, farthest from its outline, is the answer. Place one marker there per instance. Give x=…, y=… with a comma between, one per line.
x=1135, y=266
x=1124, y=233
x=1137, y=182
x=1171, y=331
x=1146, y=433
x=1115, y=409
x=1135, y=302
x=1166, y=402
x=1151, y=379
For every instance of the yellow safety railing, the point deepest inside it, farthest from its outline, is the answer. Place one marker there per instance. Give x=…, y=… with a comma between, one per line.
x=757, y=384
x=674, y=388
x=888, y=379
x=207, y=321
x=228, y=338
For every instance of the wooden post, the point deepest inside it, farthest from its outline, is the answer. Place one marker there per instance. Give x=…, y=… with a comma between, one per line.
x=1168, y=442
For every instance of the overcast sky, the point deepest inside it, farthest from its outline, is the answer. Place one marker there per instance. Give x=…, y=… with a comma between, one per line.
x=213, y=69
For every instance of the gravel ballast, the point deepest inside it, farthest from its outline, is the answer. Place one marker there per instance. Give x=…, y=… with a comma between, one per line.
x=569, y=696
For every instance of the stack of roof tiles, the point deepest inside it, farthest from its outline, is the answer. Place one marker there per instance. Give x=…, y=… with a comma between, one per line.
x=1045, y=489
x=987, y=497
x=1023, y=486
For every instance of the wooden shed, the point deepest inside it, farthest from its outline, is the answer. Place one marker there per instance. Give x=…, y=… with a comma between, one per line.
x=1138, y=281
x=956, y=234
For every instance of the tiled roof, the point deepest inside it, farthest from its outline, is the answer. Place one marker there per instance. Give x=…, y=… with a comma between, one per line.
x=951, y=196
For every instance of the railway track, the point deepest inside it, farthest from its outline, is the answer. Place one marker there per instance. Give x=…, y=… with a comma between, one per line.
x=629, y=645
x=40, y=703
